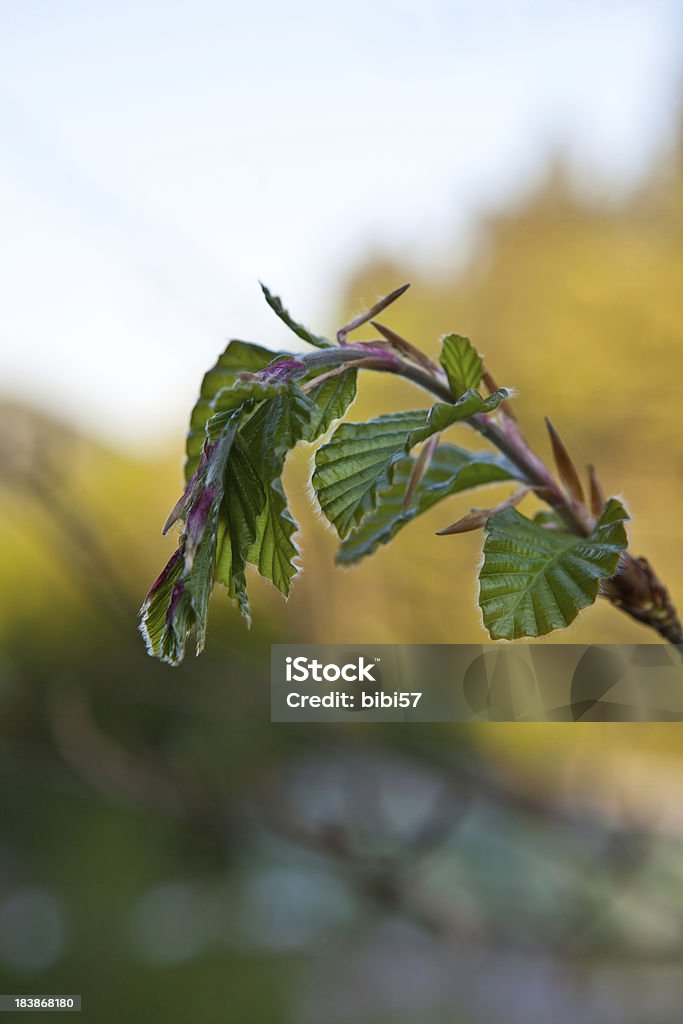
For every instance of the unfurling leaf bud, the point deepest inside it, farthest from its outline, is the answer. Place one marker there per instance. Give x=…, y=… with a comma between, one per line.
x=565, y=466
x=596, y=493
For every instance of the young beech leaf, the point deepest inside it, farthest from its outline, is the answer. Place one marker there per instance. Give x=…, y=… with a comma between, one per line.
x=534, y=580
x=160, y=640
x=450, y=471
x=243, y=500
x=302, y=332
x=234, y=507
x=358, y=456
x=462, y=363
x=443, y=415
x=176, y=605
x=239, y=357
x=349, y=467
x=332, y=399
x=257, y=526
x=272, y=431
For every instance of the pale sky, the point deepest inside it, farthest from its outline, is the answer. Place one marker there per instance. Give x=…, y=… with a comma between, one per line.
x=157, y=158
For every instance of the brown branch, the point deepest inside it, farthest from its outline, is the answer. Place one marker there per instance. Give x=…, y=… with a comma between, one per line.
x=635, y=589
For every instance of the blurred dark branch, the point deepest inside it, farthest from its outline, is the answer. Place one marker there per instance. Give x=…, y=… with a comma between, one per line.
x=392, y=881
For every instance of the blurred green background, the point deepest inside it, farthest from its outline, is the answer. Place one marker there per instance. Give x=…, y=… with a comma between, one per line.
x=171, y=855
x=164, y=849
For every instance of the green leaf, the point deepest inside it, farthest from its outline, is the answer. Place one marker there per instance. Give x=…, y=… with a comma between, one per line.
x=277, y=425
x=550, y=519
x=272, y=431
x=245, y=390
x=462, y=363
x=332, y=399
x=302, y=332
x=451, y=471
x=349, y=467
x=274, y=549
x=243, y=501
x=160, y=641
x=534, y=580
x=243, y=393
x=234, y=506
x=239, y=357
x=357, y=457
x=443, y=415
x=199, y=582
x=176, y=606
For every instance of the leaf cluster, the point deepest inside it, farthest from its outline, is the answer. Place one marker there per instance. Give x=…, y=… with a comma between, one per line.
x=371, y=479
